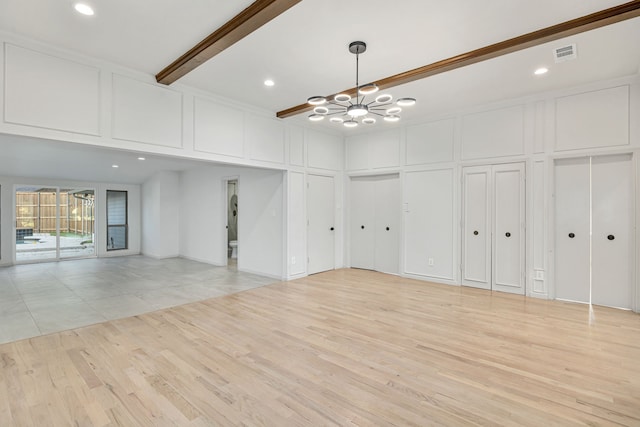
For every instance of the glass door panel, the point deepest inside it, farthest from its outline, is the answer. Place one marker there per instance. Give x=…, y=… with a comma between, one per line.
x=77, y=223
x=36, y=227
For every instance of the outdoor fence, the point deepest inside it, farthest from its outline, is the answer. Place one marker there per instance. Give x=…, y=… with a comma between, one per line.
x=37, y=211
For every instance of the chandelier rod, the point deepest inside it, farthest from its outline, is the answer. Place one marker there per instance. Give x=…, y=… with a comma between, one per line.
x=357, y=72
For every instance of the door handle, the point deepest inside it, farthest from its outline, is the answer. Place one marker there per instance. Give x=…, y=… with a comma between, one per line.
x=611, y=237
x=571, y=235
x=507, y=234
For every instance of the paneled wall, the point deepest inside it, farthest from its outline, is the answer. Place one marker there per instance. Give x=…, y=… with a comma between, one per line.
x=430, y=154
x=57, y=95
x=52, y=94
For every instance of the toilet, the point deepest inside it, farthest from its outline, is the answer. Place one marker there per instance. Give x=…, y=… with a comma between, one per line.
x=233, y=244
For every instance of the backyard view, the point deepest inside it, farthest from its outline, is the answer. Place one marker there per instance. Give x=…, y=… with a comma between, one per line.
x=37, y=215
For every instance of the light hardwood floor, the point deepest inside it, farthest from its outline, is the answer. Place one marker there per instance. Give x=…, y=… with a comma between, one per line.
x=347, y=347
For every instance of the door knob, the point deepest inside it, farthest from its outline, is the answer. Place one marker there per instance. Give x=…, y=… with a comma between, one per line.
x=571, y=235
x=611, y=237
x=387, y=228
x=331, y=229
x=507, y=234
x=362, y=226
x=475, y=233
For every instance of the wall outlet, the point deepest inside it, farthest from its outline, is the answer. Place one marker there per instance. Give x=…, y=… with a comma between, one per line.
x=430, y=262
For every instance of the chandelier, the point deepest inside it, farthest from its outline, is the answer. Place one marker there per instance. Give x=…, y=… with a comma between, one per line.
x=351, y=111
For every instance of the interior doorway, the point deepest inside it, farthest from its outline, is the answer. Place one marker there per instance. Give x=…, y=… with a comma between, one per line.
x=232, y=222
x=54, y=223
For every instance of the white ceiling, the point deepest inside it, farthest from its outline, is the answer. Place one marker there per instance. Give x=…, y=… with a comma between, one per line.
x=39, y=158
x=305, y=49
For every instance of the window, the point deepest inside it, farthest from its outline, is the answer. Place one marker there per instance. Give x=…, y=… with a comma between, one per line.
x=117, y=228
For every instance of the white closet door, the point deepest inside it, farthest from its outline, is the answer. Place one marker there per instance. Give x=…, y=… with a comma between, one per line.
x=572, y=229
x=612, y=236
x=362, y=197
x=508, y=228
x=320, y=229
x=387, y=224
x=476, y=229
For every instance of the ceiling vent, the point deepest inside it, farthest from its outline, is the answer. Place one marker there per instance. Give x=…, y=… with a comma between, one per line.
x=565, y=53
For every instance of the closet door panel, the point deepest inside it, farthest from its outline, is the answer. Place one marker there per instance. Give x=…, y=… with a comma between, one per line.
x=508, y=231
x=476, y=230
x=572, y=229
x=612, y=238
x=362, y=197
x=387, y=224
x=321, y=223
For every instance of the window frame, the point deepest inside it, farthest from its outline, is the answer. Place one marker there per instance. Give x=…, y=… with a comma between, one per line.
x=124, y=226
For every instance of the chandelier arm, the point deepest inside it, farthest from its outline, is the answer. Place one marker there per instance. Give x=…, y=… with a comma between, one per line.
x=377, y=114
x=341, y=104
x=380, y=105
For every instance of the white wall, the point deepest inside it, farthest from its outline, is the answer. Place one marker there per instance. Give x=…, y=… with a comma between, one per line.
x=297, y=225
x=599, y=118
x=160, y=215
x=261, y=231
x=53, y=94
x=88, y=101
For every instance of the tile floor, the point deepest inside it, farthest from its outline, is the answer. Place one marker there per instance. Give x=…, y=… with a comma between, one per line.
x=38, y=299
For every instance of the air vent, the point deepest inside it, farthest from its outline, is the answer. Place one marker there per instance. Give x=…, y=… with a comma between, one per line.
x=565, y=53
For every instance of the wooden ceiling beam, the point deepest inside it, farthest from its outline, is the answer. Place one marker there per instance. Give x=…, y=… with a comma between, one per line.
x=575, y=26
x=253, y=17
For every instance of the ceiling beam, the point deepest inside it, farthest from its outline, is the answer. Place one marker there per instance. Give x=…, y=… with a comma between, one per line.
x=575, y=26
x=253, y=17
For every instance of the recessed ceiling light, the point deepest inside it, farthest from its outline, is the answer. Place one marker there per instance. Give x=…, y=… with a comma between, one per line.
x=84, y=9
x=540, y=71
x=269, y=83
x=115, y=166
x=141, y=158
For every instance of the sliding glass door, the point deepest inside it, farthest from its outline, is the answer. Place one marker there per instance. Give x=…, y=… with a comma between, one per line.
x=77, y=223
x=54, y=223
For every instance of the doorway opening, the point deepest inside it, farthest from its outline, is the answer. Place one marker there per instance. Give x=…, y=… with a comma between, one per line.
x=232, y=222
x=54, y=223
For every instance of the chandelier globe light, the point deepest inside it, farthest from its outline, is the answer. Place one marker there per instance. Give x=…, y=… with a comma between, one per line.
x=351, y=111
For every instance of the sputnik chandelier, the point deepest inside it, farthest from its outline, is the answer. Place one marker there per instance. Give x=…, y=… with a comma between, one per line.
x=342, y=108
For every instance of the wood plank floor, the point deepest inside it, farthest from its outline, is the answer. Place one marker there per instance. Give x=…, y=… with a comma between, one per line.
x=347, y=347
